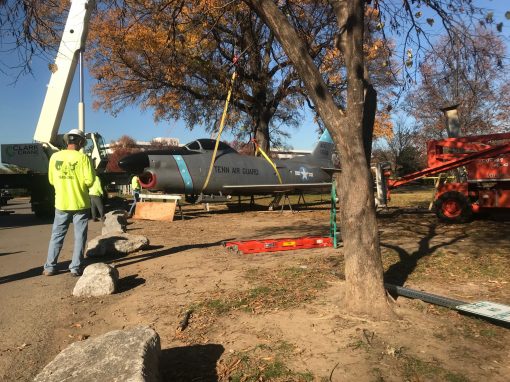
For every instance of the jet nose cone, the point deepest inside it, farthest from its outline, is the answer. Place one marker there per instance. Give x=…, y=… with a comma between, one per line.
x=134, y=163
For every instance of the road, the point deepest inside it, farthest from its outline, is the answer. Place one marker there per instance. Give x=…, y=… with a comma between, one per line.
x=31, y=304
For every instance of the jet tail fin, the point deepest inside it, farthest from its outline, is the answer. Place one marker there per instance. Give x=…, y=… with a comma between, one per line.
x=324, y=150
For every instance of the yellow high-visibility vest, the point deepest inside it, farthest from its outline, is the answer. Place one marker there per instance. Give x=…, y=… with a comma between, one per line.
x=71, y=173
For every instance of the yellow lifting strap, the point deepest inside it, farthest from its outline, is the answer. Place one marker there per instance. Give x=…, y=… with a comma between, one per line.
x=222, y=124
x=257, y=148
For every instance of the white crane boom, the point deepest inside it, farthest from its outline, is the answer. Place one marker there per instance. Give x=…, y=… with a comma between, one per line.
x=72, y=43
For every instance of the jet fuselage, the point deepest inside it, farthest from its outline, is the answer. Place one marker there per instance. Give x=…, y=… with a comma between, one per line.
x=184, y=170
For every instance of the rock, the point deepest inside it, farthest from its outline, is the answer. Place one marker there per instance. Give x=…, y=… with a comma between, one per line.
x=98, y=279
x=119, y=213
x=114, y=222
x=115, y=244
x=121, y=355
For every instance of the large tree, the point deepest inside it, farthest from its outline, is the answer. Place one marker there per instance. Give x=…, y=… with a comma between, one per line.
x=363, y=267
x=177, y=59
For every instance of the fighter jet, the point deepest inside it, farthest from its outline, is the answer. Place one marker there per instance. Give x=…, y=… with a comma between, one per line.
x=184, y=170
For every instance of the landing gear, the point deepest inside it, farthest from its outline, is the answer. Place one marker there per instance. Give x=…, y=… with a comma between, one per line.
x=453, y=207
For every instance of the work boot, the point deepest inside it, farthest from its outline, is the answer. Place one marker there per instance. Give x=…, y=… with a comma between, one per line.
x=76, y=273
x=47, y=272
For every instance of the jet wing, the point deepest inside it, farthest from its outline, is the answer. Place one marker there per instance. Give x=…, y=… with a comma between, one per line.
x=270, y=188
x=331, y=170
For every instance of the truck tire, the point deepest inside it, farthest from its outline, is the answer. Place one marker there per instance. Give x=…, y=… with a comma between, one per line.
x=453, y=207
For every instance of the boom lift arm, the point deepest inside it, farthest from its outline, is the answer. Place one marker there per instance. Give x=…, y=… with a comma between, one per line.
x=440, y=162
x=70, y=49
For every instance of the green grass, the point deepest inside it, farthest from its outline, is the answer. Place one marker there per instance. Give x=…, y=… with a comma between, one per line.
x=277, y=289
x=411, y=197
x=267, y=362
x=253, y=368
x=417, y=369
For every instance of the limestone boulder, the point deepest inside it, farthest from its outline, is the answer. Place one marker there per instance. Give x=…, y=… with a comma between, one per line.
x=98, y=279
x=120, y=355
x=114, y=244
x=114, y=222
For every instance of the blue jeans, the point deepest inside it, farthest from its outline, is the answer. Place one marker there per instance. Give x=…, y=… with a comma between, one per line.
x=136, y=197
x=61, y=223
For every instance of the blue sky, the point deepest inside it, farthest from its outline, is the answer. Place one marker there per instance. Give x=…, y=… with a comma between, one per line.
x=21, y=102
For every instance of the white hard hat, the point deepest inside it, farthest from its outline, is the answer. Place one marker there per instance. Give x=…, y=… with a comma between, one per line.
x=74, y=135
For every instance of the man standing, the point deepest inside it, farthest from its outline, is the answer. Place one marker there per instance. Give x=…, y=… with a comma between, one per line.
x=96, y=201
x=71, y=173
x=135, y=188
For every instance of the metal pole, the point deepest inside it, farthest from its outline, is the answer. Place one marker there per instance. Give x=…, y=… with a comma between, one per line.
x=81, y=107
x=424, y=296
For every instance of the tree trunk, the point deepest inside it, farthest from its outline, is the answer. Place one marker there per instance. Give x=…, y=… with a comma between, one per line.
x=262, y=131
x=365, y=291
x=370, y=108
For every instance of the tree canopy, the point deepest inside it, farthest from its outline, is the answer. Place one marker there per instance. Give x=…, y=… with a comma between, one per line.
x=469, y=72
x=177, y=58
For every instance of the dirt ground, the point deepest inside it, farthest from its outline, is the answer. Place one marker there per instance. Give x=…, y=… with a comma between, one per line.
x=273, y=316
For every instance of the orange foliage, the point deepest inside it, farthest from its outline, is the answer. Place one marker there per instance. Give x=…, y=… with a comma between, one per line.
x=383, y=126
x=174, y=61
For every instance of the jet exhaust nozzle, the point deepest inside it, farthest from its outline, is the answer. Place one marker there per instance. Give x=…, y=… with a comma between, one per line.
x=148, y=179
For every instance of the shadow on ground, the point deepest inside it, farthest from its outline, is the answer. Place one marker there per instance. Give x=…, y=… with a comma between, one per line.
x=398, y=273
x=190, y=363
x=16, y=220
x=129, y=260
x=62, y=268
x=129, y=282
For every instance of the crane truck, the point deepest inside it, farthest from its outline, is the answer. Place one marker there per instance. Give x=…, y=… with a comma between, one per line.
x=35, y=156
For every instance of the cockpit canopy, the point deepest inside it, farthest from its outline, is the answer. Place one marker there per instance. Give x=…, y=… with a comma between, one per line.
x=206, y=144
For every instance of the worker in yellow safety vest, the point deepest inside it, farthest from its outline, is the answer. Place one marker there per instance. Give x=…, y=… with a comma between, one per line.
x=135, y=189
x=71, y=174
x=96, y=200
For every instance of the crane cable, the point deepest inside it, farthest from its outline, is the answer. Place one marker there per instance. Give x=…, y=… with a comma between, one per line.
x=222, y=124
x=266, y=157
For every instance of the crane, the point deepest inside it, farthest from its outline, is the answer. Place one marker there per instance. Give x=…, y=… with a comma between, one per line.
x=35, y=156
